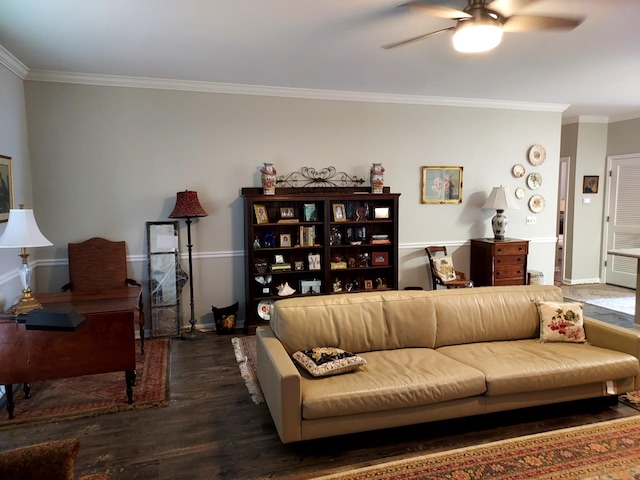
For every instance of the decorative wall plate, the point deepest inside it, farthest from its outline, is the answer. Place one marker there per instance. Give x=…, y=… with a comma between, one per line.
x=537, y=155
x=265, y=309
x=519, y=192
x=518, y=170
x=537, y=203
x=534, y=180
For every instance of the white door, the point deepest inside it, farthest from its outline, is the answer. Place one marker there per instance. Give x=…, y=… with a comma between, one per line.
x=623, y=218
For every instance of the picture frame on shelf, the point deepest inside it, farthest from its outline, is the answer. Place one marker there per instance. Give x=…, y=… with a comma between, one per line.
x=278, y=258
x=368, y=284
x=441, y=185
x=6, y=188
x=261, y=213
x=310, y=287
x=287, y=212
x=285, y=240
x=310, y=212
x=590, y=184
x=339, y=212
x=314, y=261
x=379, y=259
x=298, y=265
x=381, y=213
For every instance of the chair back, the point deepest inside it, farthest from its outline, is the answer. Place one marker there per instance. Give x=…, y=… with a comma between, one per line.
x=432, y=252
x=97, y=264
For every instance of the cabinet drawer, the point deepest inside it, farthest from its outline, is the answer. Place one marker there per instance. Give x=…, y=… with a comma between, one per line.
x=511, y=249
x=505, y=282
x=509, y=271
x=509, y=260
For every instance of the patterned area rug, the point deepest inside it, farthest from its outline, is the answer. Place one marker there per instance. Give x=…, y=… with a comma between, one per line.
x=245, y=351
x=606, y=296
x=603, y=451
x=90, y=395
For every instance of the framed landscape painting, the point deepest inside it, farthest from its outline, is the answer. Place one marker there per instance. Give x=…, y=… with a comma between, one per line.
x=441, y=184
x=6, y=188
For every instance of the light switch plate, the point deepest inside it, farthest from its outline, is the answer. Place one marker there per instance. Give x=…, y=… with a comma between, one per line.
x=531, y=220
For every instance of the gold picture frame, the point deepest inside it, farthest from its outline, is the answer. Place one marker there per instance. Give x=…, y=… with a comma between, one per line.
x=590, y=183
x=261, y=213
x=441, y=185
x=339, y=212
x=6, y=188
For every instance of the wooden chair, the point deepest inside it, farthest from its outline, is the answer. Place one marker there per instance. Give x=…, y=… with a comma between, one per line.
x=436, y=255
x=97, y=265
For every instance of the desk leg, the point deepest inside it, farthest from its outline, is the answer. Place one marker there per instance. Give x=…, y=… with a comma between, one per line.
x=26, y=388
x=8, y=391
x=130, y=377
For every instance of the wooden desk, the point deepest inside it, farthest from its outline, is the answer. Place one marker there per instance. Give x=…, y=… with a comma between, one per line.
x=104, y=342
x=632, y=253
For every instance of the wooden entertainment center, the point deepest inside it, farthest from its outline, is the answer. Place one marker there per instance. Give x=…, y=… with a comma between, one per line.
x=103, y=342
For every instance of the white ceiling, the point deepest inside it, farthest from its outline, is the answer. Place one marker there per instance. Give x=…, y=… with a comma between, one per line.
x=334, y=45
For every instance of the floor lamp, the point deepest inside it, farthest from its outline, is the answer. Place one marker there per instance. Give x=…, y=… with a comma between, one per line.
x=22, y=232
x=188, y=206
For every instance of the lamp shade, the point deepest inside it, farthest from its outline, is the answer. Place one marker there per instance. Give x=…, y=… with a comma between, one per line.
x=500, y=199
x=187, y=206
x=22, y=231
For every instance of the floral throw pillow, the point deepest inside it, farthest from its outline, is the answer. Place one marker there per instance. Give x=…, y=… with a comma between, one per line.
x=326, y=361
x=561, y=322
x=444, y=268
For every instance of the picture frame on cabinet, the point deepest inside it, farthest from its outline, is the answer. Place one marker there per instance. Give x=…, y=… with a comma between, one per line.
x=590, y=184
x=381, y=212
x=287, y=213
x=261, y=213
x=441, y=185
x=380, y=259
x=310, y=287
x=368, y=284
x=314, y=261
x=339, y=214
x=285, y=240
x=310, y=212
x=298, y=265
x=6, y=188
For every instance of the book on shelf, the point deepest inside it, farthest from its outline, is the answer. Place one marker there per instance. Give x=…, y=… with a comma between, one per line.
x=307, y=236
x=382, y=239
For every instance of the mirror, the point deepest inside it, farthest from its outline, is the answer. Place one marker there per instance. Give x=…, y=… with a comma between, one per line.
x=166, y=278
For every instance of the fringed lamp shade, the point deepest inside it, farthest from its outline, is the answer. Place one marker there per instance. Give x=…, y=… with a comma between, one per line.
x=187, y=206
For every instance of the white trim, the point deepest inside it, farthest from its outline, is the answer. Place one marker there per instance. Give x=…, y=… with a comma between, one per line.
x=623, y=117
x=12, y=63
x=270, y=91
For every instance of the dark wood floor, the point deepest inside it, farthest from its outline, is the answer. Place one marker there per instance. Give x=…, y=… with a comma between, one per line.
x=212, y=429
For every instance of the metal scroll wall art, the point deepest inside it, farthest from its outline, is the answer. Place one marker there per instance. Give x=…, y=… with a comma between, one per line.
x=327, y=178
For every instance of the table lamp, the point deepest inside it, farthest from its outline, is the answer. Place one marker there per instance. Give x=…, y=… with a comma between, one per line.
x=188, y=206
x=23, y=232
x=500, y=200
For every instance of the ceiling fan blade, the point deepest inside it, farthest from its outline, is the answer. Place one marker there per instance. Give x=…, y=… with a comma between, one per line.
x=440, y=11
x=506, y=8
x=416, y=39
x=531, y=23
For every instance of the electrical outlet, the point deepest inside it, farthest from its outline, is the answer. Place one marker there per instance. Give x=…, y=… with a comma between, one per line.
x=531, y=220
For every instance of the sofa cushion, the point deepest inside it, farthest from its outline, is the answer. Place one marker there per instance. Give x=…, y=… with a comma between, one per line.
x=391, y=379
x=561, y=322
x=528, y=365
x=358, y=322
x=489, y=314
x=327, y=361
x=444, y=268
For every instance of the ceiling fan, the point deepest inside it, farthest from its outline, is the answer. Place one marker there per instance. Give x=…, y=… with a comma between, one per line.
x=479, y=26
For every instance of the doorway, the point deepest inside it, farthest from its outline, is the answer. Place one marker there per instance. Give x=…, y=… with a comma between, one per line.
x=563, y=187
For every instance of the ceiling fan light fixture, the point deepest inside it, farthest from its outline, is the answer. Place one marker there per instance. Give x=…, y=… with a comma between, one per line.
x=475, y=37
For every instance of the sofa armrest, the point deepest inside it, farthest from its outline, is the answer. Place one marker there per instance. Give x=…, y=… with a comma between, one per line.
x=605, y=335
x=280, y=383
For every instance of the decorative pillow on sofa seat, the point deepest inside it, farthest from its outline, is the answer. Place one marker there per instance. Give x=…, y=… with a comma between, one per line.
x=444, y=268
x=561, y=322
x=326, y=361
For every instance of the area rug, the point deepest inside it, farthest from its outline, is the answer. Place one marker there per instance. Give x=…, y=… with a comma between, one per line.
x=602, y=295
x=245, y=351
x=631, y=399
x=90, y=395
x=608, y=450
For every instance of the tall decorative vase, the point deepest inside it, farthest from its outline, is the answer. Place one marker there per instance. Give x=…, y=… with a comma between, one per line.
x=268, y=179
x=377, y=178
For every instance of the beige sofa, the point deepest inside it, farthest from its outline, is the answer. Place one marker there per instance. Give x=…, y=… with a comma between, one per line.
x=432, y=356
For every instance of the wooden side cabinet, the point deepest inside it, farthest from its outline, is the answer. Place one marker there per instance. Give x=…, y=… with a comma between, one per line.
x=499, y=262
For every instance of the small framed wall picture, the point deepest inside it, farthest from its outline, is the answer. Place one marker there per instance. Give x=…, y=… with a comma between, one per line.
x=380, y=259
x=6, y=188
x=285, y=240
x=590, y=184
x=261, y=213
x=381, y=212
x=339, y=214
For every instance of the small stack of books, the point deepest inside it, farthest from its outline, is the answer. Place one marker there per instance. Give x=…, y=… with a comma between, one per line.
x=380, y=240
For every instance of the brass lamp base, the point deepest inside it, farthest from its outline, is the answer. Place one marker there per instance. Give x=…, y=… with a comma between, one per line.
x=26, y=304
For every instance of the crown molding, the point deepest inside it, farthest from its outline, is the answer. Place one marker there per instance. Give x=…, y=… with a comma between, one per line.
x=12, y=63
x=261, y=90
